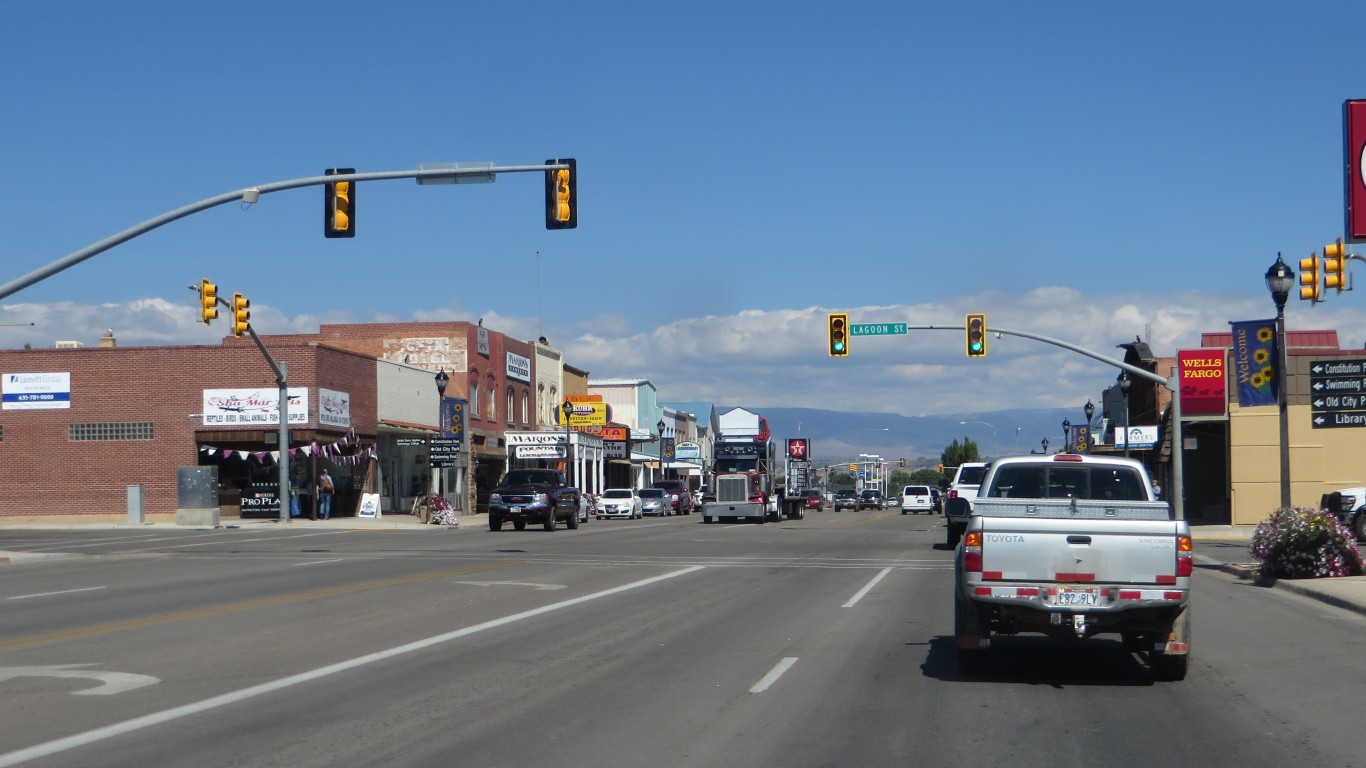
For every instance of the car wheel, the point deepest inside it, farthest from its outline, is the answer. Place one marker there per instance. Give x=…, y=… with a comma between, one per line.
x=1169, y=666
x=706, y=519
x=954, y=534
x=550, y=520
x=573, y=522
x=495, y=523
x=1359, y=525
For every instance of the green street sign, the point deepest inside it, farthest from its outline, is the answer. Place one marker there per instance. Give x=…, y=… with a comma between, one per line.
x=876, y=329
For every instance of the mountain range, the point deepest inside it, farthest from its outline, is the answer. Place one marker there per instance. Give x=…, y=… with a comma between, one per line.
x=838, y=436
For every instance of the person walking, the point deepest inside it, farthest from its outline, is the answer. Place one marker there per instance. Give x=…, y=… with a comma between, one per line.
x=325, y=491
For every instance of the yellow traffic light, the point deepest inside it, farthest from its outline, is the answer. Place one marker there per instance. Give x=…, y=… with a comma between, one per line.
x=339, y=205
x=838, y=323
x=1335, y=266
x=562, y=195
x=976, y=326
x=853, y=467
x=241, y=314
x=1309, y=278
x=208, y=301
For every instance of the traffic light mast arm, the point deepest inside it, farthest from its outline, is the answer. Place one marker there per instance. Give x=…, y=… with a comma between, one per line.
x=1172, y=383
x=251, y=195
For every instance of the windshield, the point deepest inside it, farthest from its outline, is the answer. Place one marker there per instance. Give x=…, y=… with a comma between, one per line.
x=971, y=475
x=616, y=493
x=540, y=478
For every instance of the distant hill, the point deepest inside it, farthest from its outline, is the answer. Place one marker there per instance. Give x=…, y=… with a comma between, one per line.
x=838, y=435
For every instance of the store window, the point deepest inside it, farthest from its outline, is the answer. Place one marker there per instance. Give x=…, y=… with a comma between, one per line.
x=510, y=410
x=474, y=394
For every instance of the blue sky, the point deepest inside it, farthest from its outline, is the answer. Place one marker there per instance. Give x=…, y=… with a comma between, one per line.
x=1088, y=171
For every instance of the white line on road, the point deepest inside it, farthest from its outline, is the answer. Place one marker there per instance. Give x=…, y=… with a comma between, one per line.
x=321, y=562
x=866, y=588
x=773, y=674
x=49, y=594
x=175, y=713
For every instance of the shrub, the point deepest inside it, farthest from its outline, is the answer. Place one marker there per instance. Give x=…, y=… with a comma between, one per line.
x=1299, y=543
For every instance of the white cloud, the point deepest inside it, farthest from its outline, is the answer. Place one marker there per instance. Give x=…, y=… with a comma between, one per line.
x=778, y=357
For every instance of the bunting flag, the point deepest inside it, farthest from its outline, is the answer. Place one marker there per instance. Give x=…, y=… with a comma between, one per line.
x=332, y=452
x=1254, y=362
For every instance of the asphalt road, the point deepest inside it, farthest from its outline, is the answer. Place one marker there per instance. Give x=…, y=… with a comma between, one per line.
x=820, y=642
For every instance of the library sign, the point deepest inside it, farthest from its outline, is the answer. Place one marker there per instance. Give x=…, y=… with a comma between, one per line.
x=1337, y=393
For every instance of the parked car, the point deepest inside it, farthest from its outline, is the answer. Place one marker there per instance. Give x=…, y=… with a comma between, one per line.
x=813, y=499
x=679, y=495
x=916, y=499
x=534, y=496
x=937, y=498
x=845, y=500
x=655, y=501
x=619, y=502
x=870, y=499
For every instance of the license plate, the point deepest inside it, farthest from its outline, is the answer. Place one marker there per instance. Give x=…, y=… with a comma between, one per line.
x=1078, y=596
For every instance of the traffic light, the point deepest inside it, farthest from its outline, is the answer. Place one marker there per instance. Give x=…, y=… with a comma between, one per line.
x=903, y=463
x=562, y=195
x=976, y=325
x=853, y=467
x=208, y=301
x=339, y=205
x=1335, y=266
x=839, y=334
x=1309, y=278
x=241, y=314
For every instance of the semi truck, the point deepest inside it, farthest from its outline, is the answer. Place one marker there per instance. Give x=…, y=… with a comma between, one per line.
x=742, y=482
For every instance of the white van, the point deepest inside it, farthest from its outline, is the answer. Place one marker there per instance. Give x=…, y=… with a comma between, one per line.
x=917, y=499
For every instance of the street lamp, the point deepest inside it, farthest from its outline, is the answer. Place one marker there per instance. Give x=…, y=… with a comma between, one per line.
x=995, y=438
x=1045, y=446
x=659, y=426
x=442, y=379
x=1279, y=280
x=567, y=408
x=1066, y=435
x=1090, y=410
x=1124, y=383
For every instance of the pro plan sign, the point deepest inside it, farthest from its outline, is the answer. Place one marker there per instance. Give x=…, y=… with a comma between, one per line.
x=1337, y=392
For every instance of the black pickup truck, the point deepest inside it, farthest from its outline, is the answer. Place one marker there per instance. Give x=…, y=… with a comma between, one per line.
x=534, y=495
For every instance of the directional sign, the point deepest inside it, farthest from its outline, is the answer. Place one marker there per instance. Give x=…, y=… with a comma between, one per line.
x=109, y=682
x=876, y=329
x=1337, y=393
x=445, y=452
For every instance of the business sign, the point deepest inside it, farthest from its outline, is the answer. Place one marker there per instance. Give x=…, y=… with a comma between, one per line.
x=36, y=391
x=587, y=414
x=1204, y=385
x=518, y=367
x=252, y=407
x=798, y=448
x=444, y=452
x=1337, y=393
x=334, y=408
x=688, y=450
x=1136, y=437
x=1354, y=162
x=540, y=451
x=535, y=438
x=615, y=449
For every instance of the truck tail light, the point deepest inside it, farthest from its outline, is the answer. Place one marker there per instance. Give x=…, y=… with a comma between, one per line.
x=972, y=552
x=1185, y=556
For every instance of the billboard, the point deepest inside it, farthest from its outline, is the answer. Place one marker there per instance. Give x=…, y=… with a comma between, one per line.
x=1354, y=140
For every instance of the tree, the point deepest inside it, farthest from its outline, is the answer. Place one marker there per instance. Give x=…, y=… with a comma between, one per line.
x=958, y=453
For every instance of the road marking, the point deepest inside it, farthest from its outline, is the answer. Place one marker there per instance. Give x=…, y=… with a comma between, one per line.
x=244, y=606
x=534, y=585
x=866, y=588
x=74, y=741
x=773, y=675
x=321, y=562
x=49, y=594
x=110, y=682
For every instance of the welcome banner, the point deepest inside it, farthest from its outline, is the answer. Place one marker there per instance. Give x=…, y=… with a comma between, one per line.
x=1254, y=362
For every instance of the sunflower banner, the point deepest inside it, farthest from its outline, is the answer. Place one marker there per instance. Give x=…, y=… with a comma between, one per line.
x=1254, y=362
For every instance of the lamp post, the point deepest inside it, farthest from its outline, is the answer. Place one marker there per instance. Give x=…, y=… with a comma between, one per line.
x=995, y=438
x=442, y=379
x=567, y=409
x=1279, y=279
x=659, y=427
x=1090, y=410
x=1045, y=446
x=1066, y=435
x=1124, y=383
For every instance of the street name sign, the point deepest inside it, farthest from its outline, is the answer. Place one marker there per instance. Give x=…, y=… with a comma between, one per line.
x=1337, y=393
x=876, y=329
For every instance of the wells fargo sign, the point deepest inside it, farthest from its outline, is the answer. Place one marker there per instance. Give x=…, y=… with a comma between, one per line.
x=1204, y=386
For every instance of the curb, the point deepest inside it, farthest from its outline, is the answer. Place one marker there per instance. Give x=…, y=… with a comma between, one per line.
x=1295, y=587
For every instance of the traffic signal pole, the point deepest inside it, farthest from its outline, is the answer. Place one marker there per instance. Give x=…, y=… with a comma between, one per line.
x=432, y=174
x=1172, y=383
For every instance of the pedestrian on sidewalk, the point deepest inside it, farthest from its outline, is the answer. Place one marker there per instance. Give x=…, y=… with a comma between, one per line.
x=325, y=491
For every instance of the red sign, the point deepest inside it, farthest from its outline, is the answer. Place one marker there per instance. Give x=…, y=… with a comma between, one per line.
x=1354, y=135
x=797, y=448
x=1204, y=387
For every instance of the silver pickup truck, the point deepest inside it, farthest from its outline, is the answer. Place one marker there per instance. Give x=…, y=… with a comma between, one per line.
x=1074, y=546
